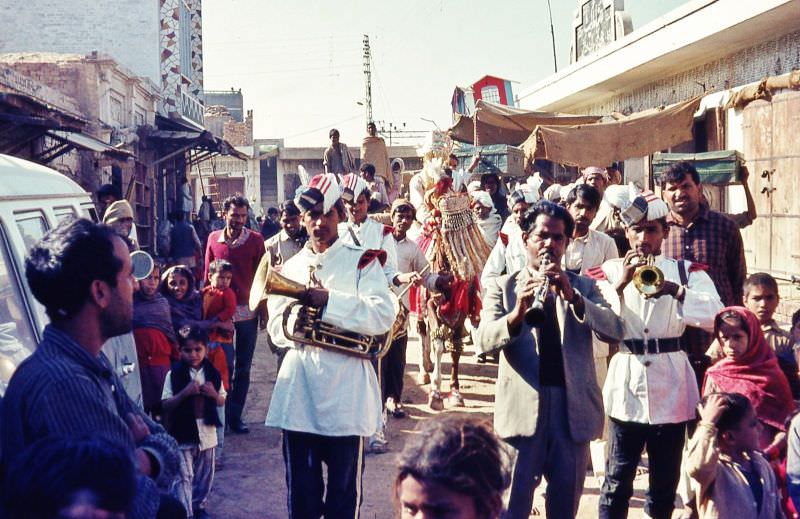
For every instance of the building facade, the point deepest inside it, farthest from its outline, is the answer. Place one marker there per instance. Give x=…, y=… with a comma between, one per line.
x=713, y=49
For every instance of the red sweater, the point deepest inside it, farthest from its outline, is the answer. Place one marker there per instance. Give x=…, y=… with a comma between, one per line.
x=222, y=305
x=244, y=259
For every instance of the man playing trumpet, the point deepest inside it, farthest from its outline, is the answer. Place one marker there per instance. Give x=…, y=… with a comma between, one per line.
x=326, y=401
x=548, y=404
x=650, y=393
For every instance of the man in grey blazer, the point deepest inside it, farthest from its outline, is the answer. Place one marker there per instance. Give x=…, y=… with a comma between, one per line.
x=547, y=405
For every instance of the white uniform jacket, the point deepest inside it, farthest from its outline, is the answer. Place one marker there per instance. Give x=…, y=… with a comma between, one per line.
x=322, y=391
x=372, y=234
x=508, y=255
x=656, y=388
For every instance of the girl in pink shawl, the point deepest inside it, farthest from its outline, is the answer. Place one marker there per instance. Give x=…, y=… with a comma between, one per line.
x=750, y=368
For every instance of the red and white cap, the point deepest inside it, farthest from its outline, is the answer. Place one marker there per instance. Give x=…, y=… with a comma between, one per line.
x=644, y=206
x=322, y=188
x=353, y=186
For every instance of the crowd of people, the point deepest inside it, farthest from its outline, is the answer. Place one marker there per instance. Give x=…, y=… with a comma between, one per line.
x=622, y=323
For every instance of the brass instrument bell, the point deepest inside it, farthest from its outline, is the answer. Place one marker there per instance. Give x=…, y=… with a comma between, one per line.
x=647, y=278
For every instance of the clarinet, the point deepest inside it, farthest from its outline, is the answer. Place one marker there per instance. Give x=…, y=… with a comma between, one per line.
x=535, y=315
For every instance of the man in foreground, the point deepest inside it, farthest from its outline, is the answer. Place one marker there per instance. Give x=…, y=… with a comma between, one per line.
x=548, y=405
x=81, y=273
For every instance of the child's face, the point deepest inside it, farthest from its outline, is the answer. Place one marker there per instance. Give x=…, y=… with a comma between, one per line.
x=762, y=301
x=193, y=352
x=428, y=500
x=221, y=280
x=178, y=285
x=733, y=340
x=746, y=436
x=149, y=285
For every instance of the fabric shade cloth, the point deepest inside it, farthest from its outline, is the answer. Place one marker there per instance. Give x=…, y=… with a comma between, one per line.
x=500, y=124
x=637, y=135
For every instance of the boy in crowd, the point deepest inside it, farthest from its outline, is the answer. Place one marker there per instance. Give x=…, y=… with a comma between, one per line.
x=412, y=261
x=761, y=297
x=379, y=199
x=650, y=393
x=192, y=391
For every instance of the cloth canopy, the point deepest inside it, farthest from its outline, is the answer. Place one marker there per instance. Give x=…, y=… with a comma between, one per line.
x=637, y=135
x=500, y=124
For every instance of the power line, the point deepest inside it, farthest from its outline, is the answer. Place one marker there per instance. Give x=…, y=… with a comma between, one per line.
x=323, y=127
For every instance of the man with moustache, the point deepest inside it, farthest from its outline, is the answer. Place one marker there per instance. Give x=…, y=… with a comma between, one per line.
x=81, y=273
x=703, y=236
x=327, y=402
x=548, y=405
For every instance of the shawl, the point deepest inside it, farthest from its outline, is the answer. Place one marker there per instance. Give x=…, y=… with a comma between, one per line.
x=490, y=227
x=373, y=151
x=153, y=312
x=756, y=375
x=186, y=311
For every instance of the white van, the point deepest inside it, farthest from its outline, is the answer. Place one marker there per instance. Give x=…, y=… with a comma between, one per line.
x=33, y=199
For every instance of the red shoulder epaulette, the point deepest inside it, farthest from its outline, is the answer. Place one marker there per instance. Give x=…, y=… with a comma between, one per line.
x=387, y=229
x=503, y=238
x=695, y=267
x=596, y=273
x=370, y=255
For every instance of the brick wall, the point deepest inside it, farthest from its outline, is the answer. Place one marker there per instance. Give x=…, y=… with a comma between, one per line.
x=770, y=58
x=80, y=26
x=239, y=134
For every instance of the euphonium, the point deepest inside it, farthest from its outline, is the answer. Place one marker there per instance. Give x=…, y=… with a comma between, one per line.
x=309, y=328
x=647, y=278
x=535, y=315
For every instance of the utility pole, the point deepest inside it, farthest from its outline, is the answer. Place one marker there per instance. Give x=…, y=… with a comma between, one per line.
x=368, y=79
x=552, y=36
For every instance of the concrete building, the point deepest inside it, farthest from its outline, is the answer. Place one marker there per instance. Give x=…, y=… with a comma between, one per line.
x=716, y=49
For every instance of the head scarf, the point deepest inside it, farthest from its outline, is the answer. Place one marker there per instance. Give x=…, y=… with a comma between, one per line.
x=153, y=312
x=118, y=210
x=186, y=311
x=322, y=188
x=755, y=375
x=645, y=206
x=353, y=186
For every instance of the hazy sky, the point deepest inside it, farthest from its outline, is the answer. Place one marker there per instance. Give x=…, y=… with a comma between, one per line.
x=299, y=63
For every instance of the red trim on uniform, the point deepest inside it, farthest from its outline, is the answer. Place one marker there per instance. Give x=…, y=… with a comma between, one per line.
x=503, y=238
x=370, y=255
x=596, y=273
x=387, y=229
x=695, y=267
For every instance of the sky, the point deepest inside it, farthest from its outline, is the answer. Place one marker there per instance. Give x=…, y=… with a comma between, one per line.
x=299, y=63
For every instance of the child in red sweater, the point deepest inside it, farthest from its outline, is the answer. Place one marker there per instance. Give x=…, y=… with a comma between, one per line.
x=219, y=306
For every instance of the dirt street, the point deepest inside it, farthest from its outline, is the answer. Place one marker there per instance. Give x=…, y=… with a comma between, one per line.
x=251, y=483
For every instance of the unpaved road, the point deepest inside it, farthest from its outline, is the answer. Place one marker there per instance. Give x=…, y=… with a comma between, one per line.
x=251, y=483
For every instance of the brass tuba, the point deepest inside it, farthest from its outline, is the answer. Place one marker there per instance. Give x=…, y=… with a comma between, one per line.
x=647, y=278
x=309, y=329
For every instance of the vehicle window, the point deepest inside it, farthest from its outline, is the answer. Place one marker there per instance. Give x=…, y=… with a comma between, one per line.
x=63, y=212
x=32, y=227
x=17, y=340
x=88, y=211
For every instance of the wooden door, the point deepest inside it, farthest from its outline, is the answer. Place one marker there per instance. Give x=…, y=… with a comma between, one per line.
x=772, y=151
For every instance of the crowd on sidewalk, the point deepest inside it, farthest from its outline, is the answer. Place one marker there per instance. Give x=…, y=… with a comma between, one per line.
x=623, y=322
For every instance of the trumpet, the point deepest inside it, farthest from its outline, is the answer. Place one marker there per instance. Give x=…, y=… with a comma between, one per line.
x=535, y=315
x=311, y=330
x=647, y=278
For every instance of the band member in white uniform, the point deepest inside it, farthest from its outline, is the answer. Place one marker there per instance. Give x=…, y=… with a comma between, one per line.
x=650, y=393
x=326, y=402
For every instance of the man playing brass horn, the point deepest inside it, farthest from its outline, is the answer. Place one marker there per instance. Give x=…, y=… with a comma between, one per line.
x=325, y=401
x=650, y=393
